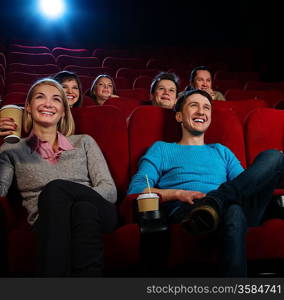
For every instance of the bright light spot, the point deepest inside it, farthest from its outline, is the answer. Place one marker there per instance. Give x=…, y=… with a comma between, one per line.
x=52, y=8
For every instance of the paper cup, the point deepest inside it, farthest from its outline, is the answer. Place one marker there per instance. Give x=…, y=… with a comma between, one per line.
x=15, y=112
x=148, y=202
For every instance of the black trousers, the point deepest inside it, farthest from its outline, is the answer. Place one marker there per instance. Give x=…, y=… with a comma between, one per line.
x=72, y=219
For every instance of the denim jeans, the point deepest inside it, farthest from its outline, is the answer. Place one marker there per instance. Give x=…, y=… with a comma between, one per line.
x=242, y=203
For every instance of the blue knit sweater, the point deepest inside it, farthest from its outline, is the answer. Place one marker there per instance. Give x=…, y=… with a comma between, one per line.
x=197, y=168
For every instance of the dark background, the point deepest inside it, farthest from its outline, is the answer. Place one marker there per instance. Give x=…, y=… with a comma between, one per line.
x=207, y=24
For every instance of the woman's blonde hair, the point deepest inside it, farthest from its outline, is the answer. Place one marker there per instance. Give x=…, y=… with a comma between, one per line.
x=66, y=125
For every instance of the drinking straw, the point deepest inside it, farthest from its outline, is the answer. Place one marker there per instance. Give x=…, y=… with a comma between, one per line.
x=148, y=183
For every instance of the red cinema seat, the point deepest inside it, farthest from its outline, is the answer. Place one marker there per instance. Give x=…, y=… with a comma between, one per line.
x=1, y=85
x=18, y=98
x=157, y=63
x=2, y=71
x=86, y=82
x=260, y=85
x=242, y=108
x=108, y=127
x=28, y=49
x=125, y=105
x=122, y=83
x=223, y=85
x=271, y=97
x=102, y=53
x=143, y=82
x=86, y=61
x=26, y=78
x=89, y=71
x=242, y=77
x=121, y=62
x=30, y=58
x=226, y=129
x=68, y=51
x=141, y=94
x=3, y=61
x=122, y=247
x=17, y=87
x=264, y=130
x=131, y=74
x=33, y=69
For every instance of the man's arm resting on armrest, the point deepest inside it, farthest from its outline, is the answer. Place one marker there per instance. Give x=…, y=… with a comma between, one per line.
x=173, y=194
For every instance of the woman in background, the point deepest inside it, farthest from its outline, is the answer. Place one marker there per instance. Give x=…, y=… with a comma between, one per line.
x=72, y=87
x=103, y=88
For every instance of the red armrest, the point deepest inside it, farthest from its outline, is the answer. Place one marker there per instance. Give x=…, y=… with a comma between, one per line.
x=127, y=208
x=9, y=215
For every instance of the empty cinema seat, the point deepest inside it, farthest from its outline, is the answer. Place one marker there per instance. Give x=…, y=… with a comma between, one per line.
x=28, y=49
x=18, y=98
x=223, y=85
x=142, y=82
x=26, y=78
x=271, y=97
x=68, y=51
x=86, y=61
x=89, y=71
x=102, y=53
x=242, y=108
x=131, y=74
x=242, y=77
x=260, y=85
x=121, y=62
x=34, y=69
x=30, y=58
x=264, y=130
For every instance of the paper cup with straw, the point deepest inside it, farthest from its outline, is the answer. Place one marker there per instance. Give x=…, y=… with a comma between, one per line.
x=148, y=201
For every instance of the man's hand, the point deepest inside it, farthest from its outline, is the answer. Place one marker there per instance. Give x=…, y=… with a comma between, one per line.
x=189, y=196
x=210, y=92
x=181, y=195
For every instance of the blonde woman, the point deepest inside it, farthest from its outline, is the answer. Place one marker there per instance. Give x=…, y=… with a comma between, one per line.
x=65, y=185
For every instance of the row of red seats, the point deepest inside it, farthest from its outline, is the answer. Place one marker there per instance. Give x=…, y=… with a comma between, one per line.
x=130, y=99
x=122, y=146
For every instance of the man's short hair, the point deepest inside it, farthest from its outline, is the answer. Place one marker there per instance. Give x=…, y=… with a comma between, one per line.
x=164, y=76
x=194, y=72
x=180, y=101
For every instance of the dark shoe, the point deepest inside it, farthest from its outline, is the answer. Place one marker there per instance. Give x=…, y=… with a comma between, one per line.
x=152, y=221
x=202, y=219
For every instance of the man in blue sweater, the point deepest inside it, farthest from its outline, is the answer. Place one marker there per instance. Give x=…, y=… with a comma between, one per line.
x=204, y=186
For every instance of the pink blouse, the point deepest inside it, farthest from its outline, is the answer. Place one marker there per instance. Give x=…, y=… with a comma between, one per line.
x=45, y=150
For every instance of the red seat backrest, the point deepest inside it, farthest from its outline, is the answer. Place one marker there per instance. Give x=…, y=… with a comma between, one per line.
x=271, y=97
x=141, y=94
x=18, y=98
x=89, y=71
x=30, y=58
x=108, y=127
x=28, y=49
x=143, y=82
x=67, y=51
x=86, y=61
x=26, y=78
x=264, y=130
x=242, y=108
x=34, y=69
x=120, y=62
x=148, y=124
